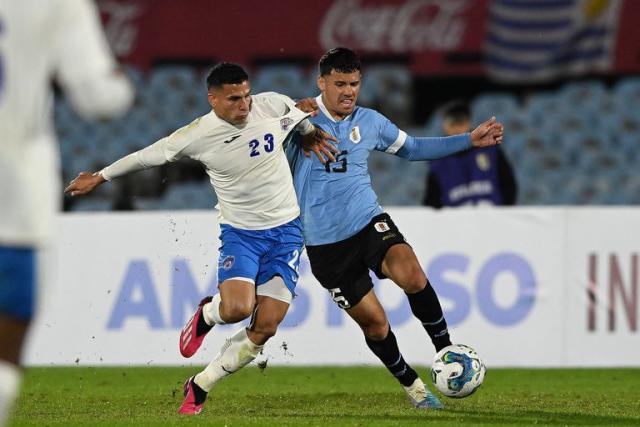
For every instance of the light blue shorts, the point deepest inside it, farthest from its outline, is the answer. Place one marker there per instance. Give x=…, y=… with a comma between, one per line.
x=259, y=255
x=17, y=282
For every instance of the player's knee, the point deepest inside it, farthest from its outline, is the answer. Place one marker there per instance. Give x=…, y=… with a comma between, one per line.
x=413, y=280
x=235, y=311
x=376, y=330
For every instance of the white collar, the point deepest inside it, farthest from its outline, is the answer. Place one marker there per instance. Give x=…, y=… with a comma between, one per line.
x=326, y=112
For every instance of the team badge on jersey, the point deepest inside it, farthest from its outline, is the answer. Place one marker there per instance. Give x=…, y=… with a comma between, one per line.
x=354, y=135
x=285, y=123
x=483, y=162
x=228, y=262
x=381, y=227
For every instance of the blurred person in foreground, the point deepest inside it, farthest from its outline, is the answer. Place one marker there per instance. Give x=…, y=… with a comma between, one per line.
x=59, y=40
x=347, y=233
x=240, y=142
x=477, y=176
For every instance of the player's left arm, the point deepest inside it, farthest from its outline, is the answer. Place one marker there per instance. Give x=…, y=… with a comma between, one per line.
x=314, y=140
x=395, y=141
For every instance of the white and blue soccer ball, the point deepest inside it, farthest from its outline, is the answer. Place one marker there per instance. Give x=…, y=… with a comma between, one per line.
x=457, y=370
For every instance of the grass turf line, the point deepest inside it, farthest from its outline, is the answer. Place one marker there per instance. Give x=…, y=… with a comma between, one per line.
x=323, y=396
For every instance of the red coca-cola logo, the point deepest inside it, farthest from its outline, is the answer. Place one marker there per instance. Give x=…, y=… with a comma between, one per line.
x=120, y=27
x=408, y=27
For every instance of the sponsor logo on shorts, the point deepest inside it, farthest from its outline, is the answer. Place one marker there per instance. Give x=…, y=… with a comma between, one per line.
x=381, y=227
x=285, y=123
x=389, y=236
x=228, y=262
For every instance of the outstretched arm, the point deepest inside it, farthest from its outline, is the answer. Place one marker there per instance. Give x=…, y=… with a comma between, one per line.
x=429, y=148
x=148, y=157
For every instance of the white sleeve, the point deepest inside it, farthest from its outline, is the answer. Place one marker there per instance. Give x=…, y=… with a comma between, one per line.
x=85, y=66
x=305, y=127
x=168, y=149
x=148, y=157
x=282, y=104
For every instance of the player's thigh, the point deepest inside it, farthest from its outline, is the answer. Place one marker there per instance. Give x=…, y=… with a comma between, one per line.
x=283, y=261
x=240, y=255
x=401, y=265
x=389, y=256
x=282, y=258
x=341, y=271
x=370, y=316
x=237, y=298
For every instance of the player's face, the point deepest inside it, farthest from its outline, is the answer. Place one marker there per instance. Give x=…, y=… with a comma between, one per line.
x=231, y=102
x=340, y=92
x=452, y=127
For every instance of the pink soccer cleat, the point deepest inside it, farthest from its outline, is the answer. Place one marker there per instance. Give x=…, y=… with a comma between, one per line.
x=194, y=398
x=191, y=336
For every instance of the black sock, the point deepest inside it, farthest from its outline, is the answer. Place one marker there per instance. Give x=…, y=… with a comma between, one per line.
x=388, y=352
x=202, y=327
x=426, y=307
x=198, y=393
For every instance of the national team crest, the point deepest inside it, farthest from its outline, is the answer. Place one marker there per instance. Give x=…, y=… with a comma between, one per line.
x=285, y=123
x=354, y=135
x=381, y=227
x=483, y=162
x=228, y=262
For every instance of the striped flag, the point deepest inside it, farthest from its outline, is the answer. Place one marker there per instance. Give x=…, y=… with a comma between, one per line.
x=539, y=40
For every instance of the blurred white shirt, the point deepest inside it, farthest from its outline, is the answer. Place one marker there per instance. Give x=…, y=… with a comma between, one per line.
x=41, y=41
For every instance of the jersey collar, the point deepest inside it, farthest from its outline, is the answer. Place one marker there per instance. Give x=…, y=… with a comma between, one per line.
x=326, y=112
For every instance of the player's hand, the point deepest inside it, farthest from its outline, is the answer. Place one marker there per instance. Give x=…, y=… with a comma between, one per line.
x=319, y=142
x=308, y=105
x=487, y=133
x=84, y=183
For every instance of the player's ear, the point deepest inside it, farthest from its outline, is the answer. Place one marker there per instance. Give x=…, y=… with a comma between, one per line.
x=212, y=99
x=322, y=84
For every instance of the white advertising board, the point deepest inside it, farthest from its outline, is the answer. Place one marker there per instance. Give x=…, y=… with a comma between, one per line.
x=514, y=284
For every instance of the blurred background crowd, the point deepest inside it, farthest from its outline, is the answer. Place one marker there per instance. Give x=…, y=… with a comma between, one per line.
x=562, y=75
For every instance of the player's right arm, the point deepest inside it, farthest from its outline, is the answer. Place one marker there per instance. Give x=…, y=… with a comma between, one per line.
x=168, y=149
x=84, y=65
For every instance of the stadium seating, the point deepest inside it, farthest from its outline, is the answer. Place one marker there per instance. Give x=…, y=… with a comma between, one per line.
x=578, y=144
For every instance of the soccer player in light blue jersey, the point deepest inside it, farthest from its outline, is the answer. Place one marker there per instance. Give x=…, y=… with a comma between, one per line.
x=346, y=231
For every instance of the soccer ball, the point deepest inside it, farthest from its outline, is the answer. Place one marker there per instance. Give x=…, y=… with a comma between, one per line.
x=457, y=370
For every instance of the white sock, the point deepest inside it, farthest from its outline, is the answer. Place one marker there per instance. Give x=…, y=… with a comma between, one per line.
x=9, y=386
x=235, y=353
x=211, y=311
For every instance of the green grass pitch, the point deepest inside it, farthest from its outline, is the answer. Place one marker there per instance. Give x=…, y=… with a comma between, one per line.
x=323, y=396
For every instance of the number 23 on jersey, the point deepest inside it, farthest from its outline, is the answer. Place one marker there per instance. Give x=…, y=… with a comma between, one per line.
x=257, y=146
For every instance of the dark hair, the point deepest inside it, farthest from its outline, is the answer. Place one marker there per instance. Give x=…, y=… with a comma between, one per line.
x=226, y=73
x=341, y=59
x=456, y=111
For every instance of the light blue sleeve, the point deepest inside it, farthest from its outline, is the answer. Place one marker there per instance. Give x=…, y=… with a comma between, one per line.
x=395, y=141
x=431, y=148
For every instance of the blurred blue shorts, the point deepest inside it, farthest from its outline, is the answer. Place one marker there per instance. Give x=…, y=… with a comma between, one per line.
x=17, y=282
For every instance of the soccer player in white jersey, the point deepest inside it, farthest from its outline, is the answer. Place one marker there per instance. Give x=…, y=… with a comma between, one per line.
x=240, y=144
x=40, y=41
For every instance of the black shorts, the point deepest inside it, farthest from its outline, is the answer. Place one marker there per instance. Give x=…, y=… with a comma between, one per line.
x=343, y=267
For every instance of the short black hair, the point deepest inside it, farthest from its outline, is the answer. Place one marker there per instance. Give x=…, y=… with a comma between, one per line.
x=226, y=73
x=456, y=111
x=341, y=59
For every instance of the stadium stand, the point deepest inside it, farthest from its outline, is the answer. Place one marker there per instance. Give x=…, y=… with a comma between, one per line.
x=574, y=145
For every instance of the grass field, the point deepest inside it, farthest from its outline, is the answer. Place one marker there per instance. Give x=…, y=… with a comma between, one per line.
x=322, y=397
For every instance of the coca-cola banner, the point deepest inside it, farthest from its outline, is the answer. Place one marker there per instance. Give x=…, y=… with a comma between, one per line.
x=431, y=36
